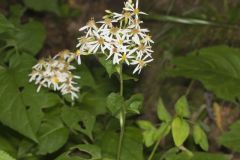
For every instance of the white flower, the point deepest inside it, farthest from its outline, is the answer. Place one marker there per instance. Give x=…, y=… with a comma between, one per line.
x=134, y=9
x=141, y=62
x=55, y=73
x=90, y=27
x=99, y=42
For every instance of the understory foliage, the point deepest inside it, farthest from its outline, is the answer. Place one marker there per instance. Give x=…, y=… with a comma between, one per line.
x=65, y=108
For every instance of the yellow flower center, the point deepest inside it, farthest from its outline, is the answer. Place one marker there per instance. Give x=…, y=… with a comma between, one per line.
x=91, y=23
x=141, y=63
x=141, y=47
x=55, y=80
x=78, y=53
x=120, y=42
x=135, y=31
x=114, y=30
x=101, y=41
x=124, y=57
x=108, y=21
x=136, y=11
x=127, y=14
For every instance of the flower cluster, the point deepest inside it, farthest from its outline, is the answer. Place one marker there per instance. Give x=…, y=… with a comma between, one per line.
x=120, y=37
x=56, y=73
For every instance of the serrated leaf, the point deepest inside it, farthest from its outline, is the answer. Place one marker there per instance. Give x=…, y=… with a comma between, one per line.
x=162, y=112
x=231, y=139
x=180, y=131
x=218, y=68
x=200, y=137
x=181, y=107
x=43, y=5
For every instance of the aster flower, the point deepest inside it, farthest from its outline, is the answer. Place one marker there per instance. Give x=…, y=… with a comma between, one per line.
x=140, y=63
x=55, y=73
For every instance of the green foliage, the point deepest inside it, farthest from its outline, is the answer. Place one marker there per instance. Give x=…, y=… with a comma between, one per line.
x=216, y=67
x=92, y=150
x=162, y=112
x=180, y=130
x=132, y=145
x=182, y=108
x=5, y=156
x=115, y=102
x=230, y=139
x=200, y=137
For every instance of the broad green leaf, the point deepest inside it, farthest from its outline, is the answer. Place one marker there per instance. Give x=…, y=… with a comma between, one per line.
x=86, y=77
x=134, y=103
x=52, y=136
x=24, y=148
x=5, y=156
x=12, y=107
x=30, y=37
x=16, y=12
x=231, y=139
x=200, y=137
x=218, y=68
x=93, y=151
x=43, y=5
x=181, y=107
x=47, y=99
x=132, y=145
x=73, y=117
x=180, y=131
x=115, y=103
x=149, y=132
x=5, y=25
x=162, y=112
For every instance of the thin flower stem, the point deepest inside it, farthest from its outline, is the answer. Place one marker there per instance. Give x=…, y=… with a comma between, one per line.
x=154, y=149
x=122, y=117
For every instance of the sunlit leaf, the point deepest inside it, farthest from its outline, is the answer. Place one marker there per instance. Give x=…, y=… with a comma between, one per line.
x=180, y=131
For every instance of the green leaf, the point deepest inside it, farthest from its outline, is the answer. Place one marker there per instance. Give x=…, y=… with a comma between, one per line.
x=30, y=37
x=200, y=137
x=5, y=156
x=5, y=25
x=231, y=139
x=6, y=145
x=132, y=144
x=73, y=117
x=162, y=131
x=162, y=112
x=149, y=132
x=210, y=156
x=115, y=103
x=43, y=5
x=12, y=107
x=180, y=131
x=91, y=150
x=134, y=103
x=52, y=136
x=218, y=68
x=108, y=65
x=182, y=108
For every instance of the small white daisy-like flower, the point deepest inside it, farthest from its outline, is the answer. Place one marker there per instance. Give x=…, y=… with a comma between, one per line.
x=55, y=73
x=90, y=27
x=141, y=62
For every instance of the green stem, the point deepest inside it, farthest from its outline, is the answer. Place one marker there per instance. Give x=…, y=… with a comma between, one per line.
x=122, y=117
x=154, y=149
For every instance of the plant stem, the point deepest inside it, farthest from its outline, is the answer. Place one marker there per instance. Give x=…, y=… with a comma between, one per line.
x=122, y=117
x=154, y=149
